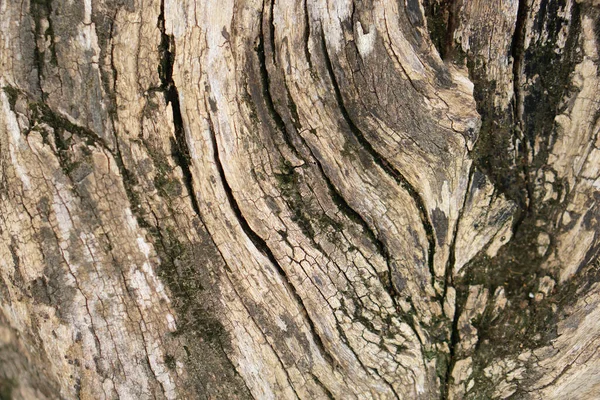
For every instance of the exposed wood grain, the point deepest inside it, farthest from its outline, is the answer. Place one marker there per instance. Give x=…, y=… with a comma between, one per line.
x=299, y=199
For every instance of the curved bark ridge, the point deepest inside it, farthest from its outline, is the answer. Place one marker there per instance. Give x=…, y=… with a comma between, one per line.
x=298, y=199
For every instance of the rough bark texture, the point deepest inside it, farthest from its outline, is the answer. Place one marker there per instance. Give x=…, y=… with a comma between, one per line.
x=299, y=199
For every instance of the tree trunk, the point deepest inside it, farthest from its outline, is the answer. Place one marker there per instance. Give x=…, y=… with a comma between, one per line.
x=299, y=199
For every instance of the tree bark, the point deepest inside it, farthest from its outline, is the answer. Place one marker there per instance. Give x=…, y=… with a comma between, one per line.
x=299, y=199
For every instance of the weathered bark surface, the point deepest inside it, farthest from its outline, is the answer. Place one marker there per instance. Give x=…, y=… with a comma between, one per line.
x=299, y=199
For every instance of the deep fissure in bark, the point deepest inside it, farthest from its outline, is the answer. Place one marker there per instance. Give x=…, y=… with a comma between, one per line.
x=196, y=315
x=180, y=150
x=42, y=10
x=517, y=52
x=287, y=178
x=265, y=81
x=449, y=281
x=307, y=32
x=442, y=20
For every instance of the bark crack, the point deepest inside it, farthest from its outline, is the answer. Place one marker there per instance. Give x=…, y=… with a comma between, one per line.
x=40, y=10
x=180, y=149
x=449, y=280
x=518, y=55
x=264, y=76
x=307, y=35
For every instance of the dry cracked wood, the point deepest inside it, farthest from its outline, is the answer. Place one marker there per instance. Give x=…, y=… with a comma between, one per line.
x=299, y=199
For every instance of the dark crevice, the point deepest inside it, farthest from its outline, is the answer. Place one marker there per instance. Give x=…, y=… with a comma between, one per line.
x=38, y=56
x=264, y=77
x=180, y=150
x=449, y=277
x=307, y=35
x=454, y=340
x=518, y=55
x=409, y=318
x=39, y=10
x=442, y=21
x=258, y=241
x=271, y=32
x=113, y=67
x=323, y=387
x=381, y=161
x=240, y=296
x=452, y=25
x=287, y=170
x=282, y=127
x=449, y=280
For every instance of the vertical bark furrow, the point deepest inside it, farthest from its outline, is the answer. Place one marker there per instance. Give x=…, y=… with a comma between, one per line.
x=264, y=74
x=181, y=154
x=518, y=55
x=449, y=282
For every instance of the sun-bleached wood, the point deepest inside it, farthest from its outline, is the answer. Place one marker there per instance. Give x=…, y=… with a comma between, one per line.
x=299, y=199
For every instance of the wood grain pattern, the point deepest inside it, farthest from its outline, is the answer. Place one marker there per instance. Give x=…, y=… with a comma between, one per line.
x=299, y=199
